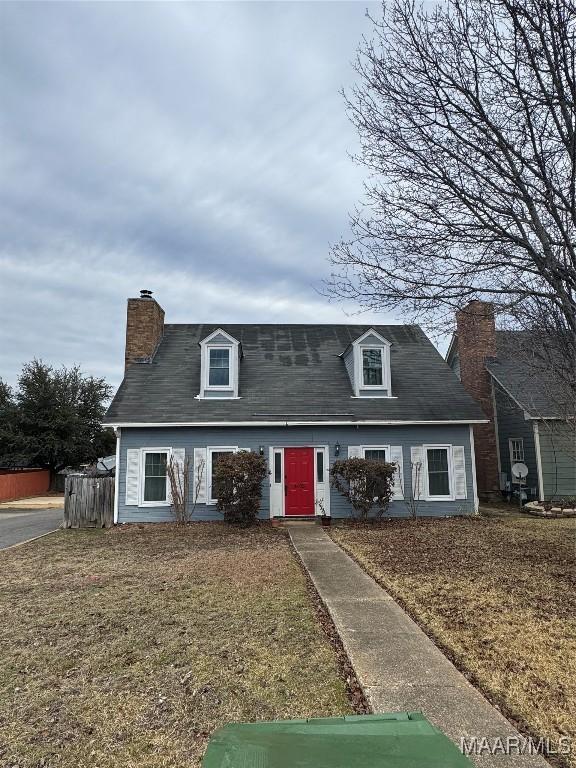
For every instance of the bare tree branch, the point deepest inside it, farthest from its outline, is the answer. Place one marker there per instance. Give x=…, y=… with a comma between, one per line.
x=467, y=121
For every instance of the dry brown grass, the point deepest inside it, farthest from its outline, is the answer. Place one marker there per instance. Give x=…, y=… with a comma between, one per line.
x=128, y=647
x=499, y=596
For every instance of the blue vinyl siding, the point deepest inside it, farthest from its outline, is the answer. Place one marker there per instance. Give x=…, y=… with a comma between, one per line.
x=254, y=437
x=512, y=424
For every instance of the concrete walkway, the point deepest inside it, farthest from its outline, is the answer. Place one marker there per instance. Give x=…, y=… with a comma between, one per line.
x=397, y=665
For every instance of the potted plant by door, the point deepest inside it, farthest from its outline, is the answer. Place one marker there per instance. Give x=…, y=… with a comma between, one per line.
x=324, y=518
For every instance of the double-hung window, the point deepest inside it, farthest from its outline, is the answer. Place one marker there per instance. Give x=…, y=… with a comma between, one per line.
x=219, y=367
x=516, y=449
x=155, y=484
x=372, y=368
x=375, y=454
x=214, y=454
x=438, y=470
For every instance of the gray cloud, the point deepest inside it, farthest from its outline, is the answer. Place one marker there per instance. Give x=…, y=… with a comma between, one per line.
x=198, y=149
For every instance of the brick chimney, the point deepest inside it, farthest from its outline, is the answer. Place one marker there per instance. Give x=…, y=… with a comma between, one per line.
x=476, y=329
x=144, y=328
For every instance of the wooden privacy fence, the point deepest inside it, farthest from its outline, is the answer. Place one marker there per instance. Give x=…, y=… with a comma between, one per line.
x=19, y=483
x=89, y=502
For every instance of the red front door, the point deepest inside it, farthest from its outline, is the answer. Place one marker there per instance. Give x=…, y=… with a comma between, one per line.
x=299, y=481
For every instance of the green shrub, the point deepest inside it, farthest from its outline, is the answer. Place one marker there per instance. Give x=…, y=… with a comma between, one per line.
x=238, y=479
x=367, y=484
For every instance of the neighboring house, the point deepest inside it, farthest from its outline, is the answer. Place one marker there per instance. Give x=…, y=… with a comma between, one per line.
x=528, y=418
x=300, y=395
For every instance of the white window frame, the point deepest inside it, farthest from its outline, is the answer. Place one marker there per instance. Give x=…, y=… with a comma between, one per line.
x=319, y=452
x=209, y=451
x=358, y=349
x=212, y=348
x=364, y=448
x=142, y=476
x=321, y=490
x=373, y=348
x=511, y=441
x=278, y=452
x=448, y=448
x=232, y=345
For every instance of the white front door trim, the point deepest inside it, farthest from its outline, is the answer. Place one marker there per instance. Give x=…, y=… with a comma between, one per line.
x=321, y=490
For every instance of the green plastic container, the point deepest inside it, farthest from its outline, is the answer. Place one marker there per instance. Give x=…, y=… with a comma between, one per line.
x=392, y=740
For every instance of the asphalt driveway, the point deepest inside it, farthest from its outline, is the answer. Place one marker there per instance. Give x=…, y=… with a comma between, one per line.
x=18, y=525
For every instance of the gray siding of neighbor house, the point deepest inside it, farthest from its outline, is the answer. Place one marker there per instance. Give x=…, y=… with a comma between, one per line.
x=558, y=453
x=254, y=437
x=512, y=424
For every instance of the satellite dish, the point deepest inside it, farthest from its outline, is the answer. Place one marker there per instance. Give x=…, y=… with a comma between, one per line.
x=520, y=471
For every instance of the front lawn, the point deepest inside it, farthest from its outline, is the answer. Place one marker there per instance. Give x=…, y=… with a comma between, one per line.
x=498, y=595
x=129, y=647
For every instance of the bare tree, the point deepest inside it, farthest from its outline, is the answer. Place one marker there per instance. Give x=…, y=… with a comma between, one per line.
x=412, y=500
x=179, y=478
x=467, y=121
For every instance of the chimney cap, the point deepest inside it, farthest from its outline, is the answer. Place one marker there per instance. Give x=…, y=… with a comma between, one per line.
x=144, y=294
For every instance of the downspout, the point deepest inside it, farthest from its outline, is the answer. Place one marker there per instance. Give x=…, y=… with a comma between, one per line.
x=538, y=461
x=117, y=431
x=473, y=460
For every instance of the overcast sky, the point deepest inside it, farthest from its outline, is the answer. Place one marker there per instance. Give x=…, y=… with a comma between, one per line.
x=198, y=150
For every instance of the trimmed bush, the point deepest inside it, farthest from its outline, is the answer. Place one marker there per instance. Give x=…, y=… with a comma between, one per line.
x=237, y=480
x=367, y=484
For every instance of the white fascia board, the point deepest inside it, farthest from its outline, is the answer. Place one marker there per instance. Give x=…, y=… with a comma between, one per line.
x=288, y=423
x=372, y=332
x=222, y=332
x=453, y=341
x=544, y=418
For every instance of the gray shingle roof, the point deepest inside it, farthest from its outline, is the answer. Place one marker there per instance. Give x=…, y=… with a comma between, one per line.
x=521, y=375
x=291, y=373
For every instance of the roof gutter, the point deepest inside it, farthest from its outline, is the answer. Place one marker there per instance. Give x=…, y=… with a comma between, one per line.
x=284, y=423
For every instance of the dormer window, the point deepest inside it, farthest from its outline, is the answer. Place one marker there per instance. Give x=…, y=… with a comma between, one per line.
x=220, y=358
x=367, y=361
x=372, y=368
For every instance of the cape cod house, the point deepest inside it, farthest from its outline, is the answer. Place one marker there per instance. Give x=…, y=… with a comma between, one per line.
x=302, y=396
x=530, y=417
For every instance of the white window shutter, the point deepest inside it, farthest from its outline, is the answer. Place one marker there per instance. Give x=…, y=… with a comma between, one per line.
x=354, y=452
x=396, y=457
x=132, y=476
x=178, y=459
x=417, y=460
x=200, y=472
x=459, y=472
